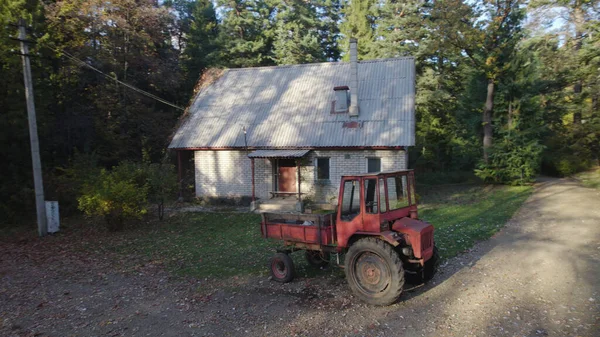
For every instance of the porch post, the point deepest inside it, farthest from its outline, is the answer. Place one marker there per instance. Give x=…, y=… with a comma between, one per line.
x=253, y=185
x=179, y=175
x=299, y=180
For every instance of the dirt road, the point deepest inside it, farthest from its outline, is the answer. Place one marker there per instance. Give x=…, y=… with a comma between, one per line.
x=539, y=276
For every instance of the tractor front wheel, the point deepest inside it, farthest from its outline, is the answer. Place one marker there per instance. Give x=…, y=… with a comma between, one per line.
x=282, y=268
x=374, y=271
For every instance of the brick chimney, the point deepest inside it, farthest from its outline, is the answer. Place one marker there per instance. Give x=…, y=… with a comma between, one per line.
x=353, y=111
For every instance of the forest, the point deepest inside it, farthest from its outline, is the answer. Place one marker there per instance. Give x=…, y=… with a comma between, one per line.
x=506, y=89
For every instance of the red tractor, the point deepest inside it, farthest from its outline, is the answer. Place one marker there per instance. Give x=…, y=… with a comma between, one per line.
x=375, y=228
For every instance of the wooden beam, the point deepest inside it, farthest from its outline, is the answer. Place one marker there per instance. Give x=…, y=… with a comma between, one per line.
x=299, y=180
x=253, y=185
x=179, y=174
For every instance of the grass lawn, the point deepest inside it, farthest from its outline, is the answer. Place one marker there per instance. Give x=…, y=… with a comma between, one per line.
x=590, y=178
x=229, y=244
x=463, y=215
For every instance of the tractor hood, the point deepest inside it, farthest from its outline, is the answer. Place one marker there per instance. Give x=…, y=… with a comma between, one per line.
x=419, y=234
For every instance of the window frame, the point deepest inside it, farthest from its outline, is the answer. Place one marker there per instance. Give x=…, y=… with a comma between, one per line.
x=367, y=164
x=324, y=180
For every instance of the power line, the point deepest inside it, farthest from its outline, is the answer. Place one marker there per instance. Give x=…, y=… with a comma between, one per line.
x=145, y=93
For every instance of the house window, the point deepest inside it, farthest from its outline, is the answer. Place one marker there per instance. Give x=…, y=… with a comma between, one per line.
x=322, y=168
x=373, y=165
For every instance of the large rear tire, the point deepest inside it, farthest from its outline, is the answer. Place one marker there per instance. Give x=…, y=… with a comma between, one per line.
x=282, y=268
x=374, y=271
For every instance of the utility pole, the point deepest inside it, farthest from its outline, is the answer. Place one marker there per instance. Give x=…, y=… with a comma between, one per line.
x=33, y=134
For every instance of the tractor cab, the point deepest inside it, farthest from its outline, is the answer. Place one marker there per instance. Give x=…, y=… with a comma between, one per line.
x=372, y=203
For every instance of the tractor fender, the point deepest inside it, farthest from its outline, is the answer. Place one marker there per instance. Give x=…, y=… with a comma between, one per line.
x=391, y=237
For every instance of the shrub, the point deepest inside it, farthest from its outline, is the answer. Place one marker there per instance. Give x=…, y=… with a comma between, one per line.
x=514, y=160
x=115, y=197
x=162, y=183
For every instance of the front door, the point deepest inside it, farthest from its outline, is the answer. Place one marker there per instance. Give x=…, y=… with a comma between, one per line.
x=287, y=175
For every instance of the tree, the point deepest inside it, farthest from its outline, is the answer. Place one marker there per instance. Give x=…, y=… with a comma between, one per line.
x=246, y=33
x=402, y=29
x=359, y=23
x=297, y=38
x=487, y=33
x=196, y=31
x=577, y=17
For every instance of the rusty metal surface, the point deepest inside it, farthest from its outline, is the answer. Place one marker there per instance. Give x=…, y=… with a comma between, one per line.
x=290, y=107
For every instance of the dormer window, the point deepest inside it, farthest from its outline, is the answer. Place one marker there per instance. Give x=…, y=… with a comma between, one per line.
x=342, y=99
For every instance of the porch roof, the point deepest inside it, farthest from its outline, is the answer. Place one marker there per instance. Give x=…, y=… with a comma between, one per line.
x=278, y=153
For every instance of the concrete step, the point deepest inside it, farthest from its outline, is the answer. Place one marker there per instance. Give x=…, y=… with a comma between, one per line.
x=277, y=205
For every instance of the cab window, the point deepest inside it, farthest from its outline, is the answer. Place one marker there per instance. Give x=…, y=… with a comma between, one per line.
x=350, y=200
x=397, y=188
x=370, y=189
x=382, y=203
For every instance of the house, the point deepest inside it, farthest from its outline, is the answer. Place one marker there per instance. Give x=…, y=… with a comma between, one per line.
x=291, y=131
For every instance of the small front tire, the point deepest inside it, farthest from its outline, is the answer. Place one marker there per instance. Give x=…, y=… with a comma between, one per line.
x=282, y=268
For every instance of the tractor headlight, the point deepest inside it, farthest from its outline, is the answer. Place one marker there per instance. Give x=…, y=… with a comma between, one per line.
x=407, y=251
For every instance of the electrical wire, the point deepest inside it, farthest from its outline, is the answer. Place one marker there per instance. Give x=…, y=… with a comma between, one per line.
x=145, y=93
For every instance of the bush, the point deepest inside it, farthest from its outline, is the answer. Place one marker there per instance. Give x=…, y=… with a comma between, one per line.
x=114, y=196
x=162, y=183
x=514, y=160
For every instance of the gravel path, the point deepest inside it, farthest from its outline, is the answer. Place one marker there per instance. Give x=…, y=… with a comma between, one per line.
x=539, y=276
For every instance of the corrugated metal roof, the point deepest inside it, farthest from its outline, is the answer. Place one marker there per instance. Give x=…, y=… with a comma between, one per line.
x=290, y=106
x=278, y=153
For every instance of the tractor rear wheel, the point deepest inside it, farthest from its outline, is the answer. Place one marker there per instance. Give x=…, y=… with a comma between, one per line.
x=282, y=268
x=316, y=258
x=374, y=271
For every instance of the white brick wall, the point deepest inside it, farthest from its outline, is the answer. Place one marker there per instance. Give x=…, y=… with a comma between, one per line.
x=345, y=163
x=228, y=173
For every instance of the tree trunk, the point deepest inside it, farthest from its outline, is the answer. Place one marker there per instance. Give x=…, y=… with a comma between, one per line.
x=488, y=110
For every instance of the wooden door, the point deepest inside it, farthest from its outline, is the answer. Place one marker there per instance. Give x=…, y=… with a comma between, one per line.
x=287, y=176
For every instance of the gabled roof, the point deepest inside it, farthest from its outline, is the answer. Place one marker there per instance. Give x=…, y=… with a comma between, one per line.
x=290, y=107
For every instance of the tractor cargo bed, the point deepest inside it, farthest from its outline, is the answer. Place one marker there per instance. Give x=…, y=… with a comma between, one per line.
x=311, y=229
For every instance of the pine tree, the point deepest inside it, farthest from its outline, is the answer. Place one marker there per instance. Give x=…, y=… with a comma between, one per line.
x=201, y=43
x=401, y=29
x=246, y=33
x=360, y=17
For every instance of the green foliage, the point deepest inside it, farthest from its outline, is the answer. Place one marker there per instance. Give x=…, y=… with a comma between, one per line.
x=359, y=22
x=514, y=160
x=162, y=185
x=115, y=197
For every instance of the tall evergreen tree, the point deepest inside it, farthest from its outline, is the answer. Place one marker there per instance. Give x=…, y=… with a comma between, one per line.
x=246, y=33
x=297, y=38
x=201, y=41
x=360, y=17
x=401, y=29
